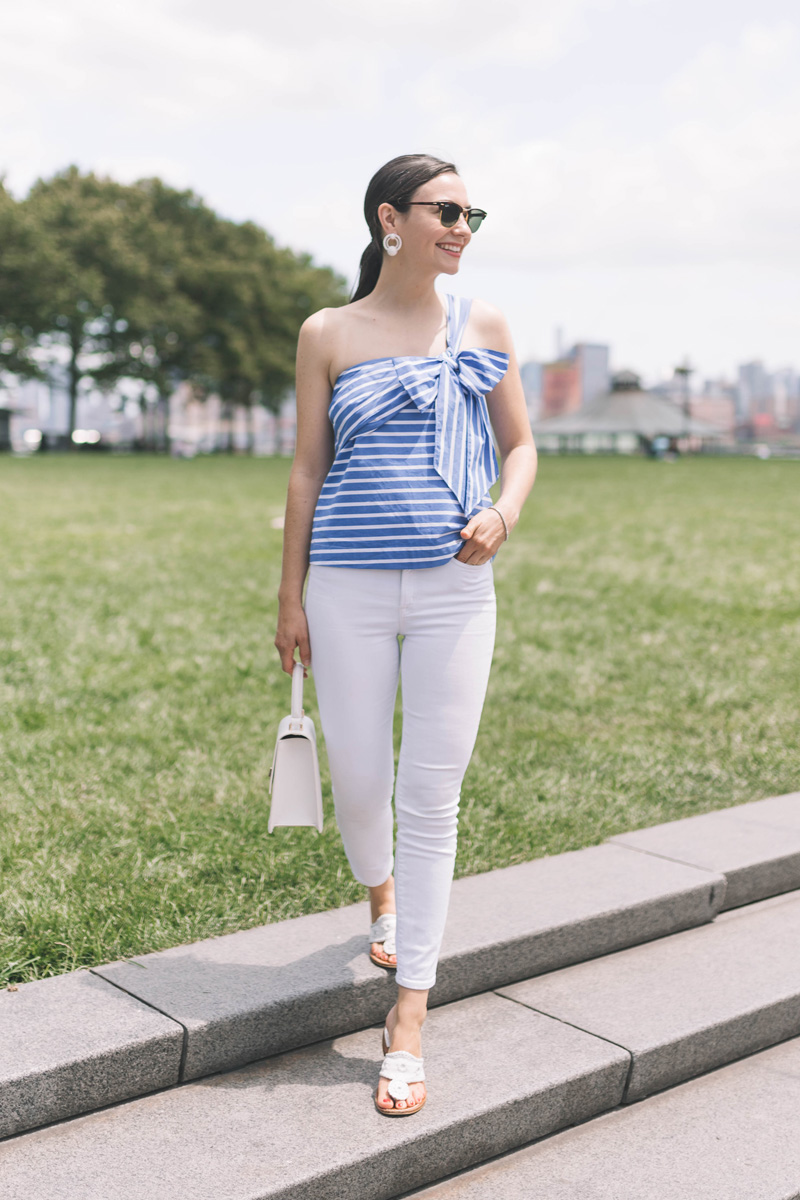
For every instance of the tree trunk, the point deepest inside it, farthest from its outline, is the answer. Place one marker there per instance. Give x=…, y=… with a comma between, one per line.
x=74, y=379
x=227, y=428
x=144, y=440
x=251, y=429
x=163, y=408
x=5, y=429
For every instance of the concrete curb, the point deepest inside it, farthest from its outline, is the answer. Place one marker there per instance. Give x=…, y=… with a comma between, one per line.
x=730, y=1135
x=223, y=1002
x=687, y=1003
x=303, y=1124
x=756, y=846
x=73, y=1043
x=263, y=991
x=501, y=1074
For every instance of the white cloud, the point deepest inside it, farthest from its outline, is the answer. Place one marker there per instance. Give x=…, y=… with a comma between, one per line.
x=150, y=60
x=712, y=185
x=129, y=168
x=177, y=63
x=727, y=80
x=507, y=30
x=283, y=112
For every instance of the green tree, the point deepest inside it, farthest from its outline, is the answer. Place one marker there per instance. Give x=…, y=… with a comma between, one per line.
x=248, y=297
x=147, y=282
x=74, y=276
x=18, y=250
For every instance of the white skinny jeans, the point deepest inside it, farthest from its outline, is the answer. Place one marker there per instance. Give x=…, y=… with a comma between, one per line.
x=446, y=615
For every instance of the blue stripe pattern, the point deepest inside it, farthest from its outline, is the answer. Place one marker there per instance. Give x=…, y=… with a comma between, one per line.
x=414, y=457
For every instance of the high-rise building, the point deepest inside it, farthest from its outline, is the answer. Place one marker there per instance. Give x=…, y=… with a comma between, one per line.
x=561, y=388
x=755, y=390
x=718, y=407
x=592, y=362
x=531, y=374
x=574, y=380
x=786, y=386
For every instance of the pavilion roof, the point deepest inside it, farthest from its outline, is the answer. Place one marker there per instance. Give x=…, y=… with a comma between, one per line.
x=629, y=411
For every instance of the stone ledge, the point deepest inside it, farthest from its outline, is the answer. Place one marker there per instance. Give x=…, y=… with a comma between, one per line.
x=262, y=991
x=731, y=1134
x=689, y=1002
x=249, y=995
x=756, y=846
x=304, y=1124
x=74, y=1043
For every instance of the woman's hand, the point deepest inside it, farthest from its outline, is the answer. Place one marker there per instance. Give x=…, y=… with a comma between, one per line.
x=483, y=534
x=293, y=631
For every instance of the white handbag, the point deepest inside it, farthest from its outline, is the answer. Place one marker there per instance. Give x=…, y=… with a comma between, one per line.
x=294, y=782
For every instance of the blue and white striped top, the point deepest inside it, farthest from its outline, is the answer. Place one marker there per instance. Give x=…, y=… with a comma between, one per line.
x=414, y=457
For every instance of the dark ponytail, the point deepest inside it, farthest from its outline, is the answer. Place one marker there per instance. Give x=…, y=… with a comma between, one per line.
x=395, y=184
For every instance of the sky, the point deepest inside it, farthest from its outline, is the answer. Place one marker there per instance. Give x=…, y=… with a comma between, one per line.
x=639, y=159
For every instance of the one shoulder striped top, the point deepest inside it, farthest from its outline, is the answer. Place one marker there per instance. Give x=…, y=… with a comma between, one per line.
x=414, y=457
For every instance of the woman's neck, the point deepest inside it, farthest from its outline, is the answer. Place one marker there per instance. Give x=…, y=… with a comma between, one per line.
x=400, y=293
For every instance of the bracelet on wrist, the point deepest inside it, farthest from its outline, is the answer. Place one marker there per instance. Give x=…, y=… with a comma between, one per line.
x=502, y=518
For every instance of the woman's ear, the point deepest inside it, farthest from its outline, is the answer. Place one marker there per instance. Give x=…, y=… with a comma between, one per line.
x=387, y=215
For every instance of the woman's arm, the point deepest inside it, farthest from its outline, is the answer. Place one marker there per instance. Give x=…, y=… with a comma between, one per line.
x=314, y=453
x=484, y=533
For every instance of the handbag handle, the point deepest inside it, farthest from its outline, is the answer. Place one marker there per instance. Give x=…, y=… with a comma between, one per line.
x=297, y=691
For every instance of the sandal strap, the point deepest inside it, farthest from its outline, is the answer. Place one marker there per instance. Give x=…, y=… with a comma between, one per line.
x=383, y=930
x=402, y=1064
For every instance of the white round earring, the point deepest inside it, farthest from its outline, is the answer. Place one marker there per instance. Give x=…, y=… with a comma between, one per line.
x=392, y=243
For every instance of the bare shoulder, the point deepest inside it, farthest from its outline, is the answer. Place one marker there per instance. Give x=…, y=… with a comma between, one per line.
x=325, y=327
x=318, y=327
x=490, y=326
x=318, y=337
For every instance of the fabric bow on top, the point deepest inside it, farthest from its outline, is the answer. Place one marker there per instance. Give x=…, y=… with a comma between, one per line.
x=456, y=384
x=369, y=394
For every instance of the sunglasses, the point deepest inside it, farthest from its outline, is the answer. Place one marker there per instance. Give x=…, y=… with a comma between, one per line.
x=450, y=212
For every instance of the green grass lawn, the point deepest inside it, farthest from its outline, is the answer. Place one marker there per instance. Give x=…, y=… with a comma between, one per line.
x=646, y=668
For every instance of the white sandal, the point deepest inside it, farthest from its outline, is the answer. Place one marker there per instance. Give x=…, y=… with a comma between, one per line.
x=383, y=931
x=401, y=1068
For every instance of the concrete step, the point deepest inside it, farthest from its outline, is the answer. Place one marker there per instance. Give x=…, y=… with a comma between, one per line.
x=194, y=1010
x=252, y=994
x=756, y=846
x=730, y=1135
x=74, y=1043
x=504, y=1069
x=304, y=1124
x=689, y=1002
x=243, y=997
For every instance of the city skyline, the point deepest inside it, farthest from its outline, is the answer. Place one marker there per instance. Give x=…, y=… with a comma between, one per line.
x=574, y=377
x=766, y=401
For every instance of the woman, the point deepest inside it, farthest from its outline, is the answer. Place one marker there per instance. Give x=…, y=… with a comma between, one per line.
x=389, y=513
